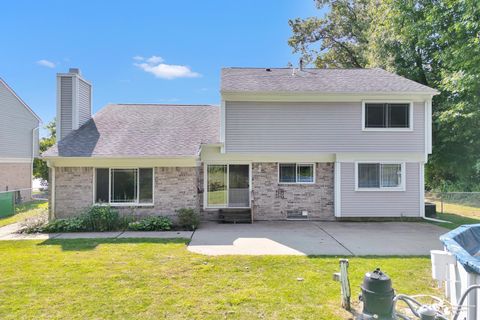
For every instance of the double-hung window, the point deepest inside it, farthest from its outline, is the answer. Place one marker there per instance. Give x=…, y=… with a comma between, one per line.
x=380, y=176
x=385, y=116
x=296, y=173
x=124, y=186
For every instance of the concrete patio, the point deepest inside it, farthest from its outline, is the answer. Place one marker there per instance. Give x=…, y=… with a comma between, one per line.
x=283, y=238
x=317, y=238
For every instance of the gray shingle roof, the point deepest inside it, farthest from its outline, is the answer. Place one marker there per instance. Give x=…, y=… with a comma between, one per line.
x=243, y=80
x=141, y=130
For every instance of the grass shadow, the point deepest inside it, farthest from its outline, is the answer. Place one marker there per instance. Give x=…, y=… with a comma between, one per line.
x=91, y=244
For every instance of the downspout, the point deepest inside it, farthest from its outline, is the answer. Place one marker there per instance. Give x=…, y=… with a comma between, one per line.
x=33, y=155
x=51, y=189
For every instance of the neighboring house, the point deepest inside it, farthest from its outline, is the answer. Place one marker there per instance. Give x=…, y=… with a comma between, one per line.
x=285, y=143
x=18, y=142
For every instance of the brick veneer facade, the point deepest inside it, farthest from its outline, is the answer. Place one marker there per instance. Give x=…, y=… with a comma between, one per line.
x=175, y=188
x=182, y=187
x=15, y=176
x=272, y=201
x=73, y=191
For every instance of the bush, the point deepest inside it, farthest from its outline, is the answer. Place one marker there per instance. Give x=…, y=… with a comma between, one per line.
x=100, y=218
x=34, y=224
x=151, y=224
x=64, y=225
x=188, y=219
x=97, y=218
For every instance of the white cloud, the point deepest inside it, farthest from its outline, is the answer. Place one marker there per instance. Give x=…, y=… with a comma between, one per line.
x=154, y=60
x=46, y=63
x=155, y=66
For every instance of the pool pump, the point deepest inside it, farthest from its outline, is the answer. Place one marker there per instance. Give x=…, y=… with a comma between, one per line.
x=377, y=296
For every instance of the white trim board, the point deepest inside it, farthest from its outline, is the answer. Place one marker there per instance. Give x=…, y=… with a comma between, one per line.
x=337, y=189
x=323, y=97
x=16, y=160
x=121, y=162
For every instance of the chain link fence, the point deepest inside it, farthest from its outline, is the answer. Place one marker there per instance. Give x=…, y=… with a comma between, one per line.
x=460, y=203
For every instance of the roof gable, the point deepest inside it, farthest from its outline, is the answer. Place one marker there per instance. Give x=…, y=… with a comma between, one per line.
x=2, y=82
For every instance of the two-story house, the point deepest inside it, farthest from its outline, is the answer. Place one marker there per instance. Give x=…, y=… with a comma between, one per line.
x=284, y=144
x=18, y=142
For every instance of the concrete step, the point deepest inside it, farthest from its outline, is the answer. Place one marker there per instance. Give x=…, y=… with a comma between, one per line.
x=235, y=215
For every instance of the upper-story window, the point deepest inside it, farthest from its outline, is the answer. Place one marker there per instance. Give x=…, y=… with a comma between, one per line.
x=387, y=116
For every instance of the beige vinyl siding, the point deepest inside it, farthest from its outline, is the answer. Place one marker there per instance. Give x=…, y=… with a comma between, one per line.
x=66, y=105
x=84, y=102
x=313, y=127
x=16, y=125
x=380, y=203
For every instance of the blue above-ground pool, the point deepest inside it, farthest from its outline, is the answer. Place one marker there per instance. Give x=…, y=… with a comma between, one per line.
x=461, y=268
x=464, y=243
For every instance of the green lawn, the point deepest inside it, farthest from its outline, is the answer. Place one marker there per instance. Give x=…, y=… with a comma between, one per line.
x=24, y=211
x=458, y=214
x=155, y=279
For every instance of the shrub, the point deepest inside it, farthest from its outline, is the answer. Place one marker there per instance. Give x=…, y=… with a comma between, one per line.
x=101, y=218
x=151, y=224
x=97, y=218
x=188, y=219
x=75, y=224
x=34, y=224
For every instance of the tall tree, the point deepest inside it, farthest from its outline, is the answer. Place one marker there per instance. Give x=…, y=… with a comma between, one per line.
x=339, y=39
x=40, y=169
x=434, y=42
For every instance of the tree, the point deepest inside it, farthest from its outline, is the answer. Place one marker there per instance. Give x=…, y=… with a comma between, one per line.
x=341, y=36
x=40, y=169
x=434, y=42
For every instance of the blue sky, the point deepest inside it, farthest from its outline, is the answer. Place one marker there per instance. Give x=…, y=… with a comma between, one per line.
x=141, y=51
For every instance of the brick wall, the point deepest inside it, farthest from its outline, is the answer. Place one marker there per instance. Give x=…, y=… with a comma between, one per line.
x=16, y=176
x=182, y=187
x=272, y=200
x=175, y=188
x=73, y=191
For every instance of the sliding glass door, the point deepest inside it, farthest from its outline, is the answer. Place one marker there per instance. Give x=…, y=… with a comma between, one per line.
x=228, y=186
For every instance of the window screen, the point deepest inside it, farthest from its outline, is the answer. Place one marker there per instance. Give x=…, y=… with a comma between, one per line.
x=379, y=175
x=305, y=173
x=368, y=175
x=145, y=193
x=101, y=177
x=387, y=115
x=287, y=173
x=296, y=173
x=124, y=185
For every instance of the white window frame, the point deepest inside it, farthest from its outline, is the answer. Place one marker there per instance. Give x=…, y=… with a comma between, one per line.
x=402, y=176
x=206, y=206
x=122, y=204
x=410, y=115
x=296, y=172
